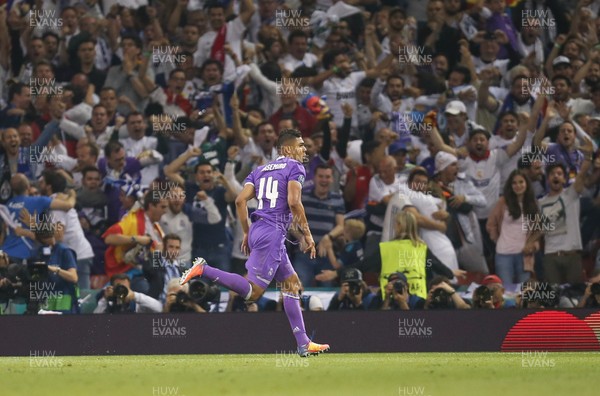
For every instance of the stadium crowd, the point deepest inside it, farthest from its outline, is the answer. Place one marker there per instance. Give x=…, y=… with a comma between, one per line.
x=448, y=142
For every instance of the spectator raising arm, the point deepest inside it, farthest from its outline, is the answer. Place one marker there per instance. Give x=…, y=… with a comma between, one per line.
x=172, y=170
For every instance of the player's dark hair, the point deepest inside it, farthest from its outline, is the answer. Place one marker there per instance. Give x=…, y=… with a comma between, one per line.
x=287, y=135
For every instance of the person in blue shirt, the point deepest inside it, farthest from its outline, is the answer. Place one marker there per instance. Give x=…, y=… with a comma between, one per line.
x=20, y=240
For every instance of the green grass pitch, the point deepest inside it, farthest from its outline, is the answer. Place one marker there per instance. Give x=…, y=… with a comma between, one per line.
x=281, y=373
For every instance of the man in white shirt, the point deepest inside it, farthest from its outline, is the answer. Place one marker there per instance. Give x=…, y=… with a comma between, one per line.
x=175, y=221
x=298, y=52
x=142, y=147
x=52, y=184
x=210, y=45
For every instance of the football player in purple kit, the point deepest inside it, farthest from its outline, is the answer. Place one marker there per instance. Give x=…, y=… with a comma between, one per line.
x=277, y=186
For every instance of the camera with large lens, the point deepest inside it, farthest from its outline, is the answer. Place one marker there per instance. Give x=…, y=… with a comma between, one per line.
x=116, y=303
x=595, y=289
x=204, y=293
x=353, y=277
x=481, y=296
x=399, y=287
x=440, y=299
x=541, y=295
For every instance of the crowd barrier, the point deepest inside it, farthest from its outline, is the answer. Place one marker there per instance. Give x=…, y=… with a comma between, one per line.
x=269, y=332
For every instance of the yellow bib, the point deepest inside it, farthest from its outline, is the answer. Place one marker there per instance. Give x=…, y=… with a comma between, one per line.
x=403, y=256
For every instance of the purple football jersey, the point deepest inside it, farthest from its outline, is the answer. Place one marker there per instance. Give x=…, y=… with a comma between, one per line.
x=270, y=186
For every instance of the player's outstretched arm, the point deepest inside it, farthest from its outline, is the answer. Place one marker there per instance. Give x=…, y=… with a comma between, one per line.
x=241, y=205
x=295, y=204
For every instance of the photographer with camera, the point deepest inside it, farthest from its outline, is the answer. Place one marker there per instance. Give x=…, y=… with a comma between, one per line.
x=591, y=297
x=493, y=298
x=52, y=272
x=353, y=294
x=443, y=296
x=396, y=296
x=179, y=300
x=119, y=298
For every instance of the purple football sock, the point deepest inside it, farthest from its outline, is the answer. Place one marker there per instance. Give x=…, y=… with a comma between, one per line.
x=234, y=282
x=291, y=304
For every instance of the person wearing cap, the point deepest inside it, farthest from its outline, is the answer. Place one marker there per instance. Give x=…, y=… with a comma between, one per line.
x=561, y=66
x=461, y=198
x=389, y=298
x=399, y=151
x=354, y=294
x=457, y=123
x=494, y=283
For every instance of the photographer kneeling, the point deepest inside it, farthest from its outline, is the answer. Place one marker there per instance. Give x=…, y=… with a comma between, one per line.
x=353, y=294
x=119, y=298
x=591, y=297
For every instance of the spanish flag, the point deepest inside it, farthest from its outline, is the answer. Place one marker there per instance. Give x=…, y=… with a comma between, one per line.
x=132, y=224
